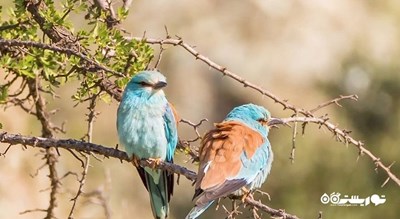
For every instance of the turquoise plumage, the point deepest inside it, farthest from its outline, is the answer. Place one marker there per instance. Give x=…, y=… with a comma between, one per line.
x=235, y=157
x=147, y=128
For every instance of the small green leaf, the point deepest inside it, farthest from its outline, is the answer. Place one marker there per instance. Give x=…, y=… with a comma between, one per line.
x=122, y=82
x=106, y=98
x=3, y=93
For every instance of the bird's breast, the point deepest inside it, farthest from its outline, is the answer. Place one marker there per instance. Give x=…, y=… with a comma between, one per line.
x=141, y=129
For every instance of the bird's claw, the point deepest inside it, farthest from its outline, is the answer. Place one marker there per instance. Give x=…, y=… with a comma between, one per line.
x=155, y=162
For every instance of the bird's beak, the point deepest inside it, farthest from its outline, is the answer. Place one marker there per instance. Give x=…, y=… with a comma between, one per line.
x=160, y=85
x=274, y=121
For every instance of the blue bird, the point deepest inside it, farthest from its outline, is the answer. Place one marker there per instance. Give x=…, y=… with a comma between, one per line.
x=147, y=128
x=235, y=157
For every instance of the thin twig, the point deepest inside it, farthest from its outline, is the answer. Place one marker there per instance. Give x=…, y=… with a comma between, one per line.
x=5, y=152
x=294, y=134
x=334, y=101
x=91, y=116
x=185, y=145
x=159, y=57
x=32, y=210
x=81, y=184
x=13, y=26
x=127, y=4
x=195, y=127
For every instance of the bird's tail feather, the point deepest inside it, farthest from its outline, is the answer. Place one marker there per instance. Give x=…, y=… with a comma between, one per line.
x=197, y=210
x=159, y=194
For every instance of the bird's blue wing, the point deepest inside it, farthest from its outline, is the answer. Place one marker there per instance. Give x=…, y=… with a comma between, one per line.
x=165, y=188
x=256, y=168
x=171, y=133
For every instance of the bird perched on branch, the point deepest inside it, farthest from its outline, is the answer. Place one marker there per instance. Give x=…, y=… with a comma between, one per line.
x=147, y=128
x=235, y=157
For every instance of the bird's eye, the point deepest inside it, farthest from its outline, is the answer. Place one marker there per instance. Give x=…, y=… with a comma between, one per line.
x=144, y=84
x=263, y=121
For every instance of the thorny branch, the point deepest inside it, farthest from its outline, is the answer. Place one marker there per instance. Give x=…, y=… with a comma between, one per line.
x=343, y=136
x=67, y=43
x=88, y=148
x=284, y=103
x=60, y=36
x=47, y=132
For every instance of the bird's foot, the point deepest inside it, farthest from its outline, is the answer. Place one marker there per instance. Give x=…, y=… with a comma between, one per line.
x=246, y=193
x=155, y=162
x=135, y=161
x=263, y=193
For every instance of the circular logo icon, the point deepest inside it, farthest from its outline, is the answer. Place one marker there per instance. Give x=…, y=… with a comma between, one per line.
x=335, y=198
x=325, y=198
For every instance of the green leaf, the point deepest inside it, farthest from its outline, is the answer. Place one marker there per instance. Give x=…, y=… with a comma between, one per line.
x=106, y=98
x=3, y=93
x=95, y=31
x=122, y=13
x=122, y=82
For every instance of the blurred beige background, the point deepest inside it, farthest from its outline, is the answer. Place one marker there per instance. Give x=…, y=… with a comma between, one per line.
x=304, y=51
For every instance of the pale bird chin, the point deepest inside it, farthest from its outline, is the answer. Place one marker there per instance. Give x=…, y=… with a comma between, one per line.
x=155, y=92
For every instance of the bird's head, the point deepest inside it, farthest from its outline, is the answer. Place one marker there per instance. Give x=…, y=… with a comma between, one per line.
x=257, y=117
x=147, y=82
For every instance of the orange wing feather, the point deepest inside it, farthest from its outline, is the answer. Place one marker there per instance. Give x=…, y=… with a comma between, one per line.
x=221, y=148
x=177, y=117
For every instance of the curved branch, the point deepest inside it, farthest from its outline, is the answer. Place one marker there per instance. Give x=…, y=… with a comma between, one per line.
x=60, y=34
x=86, y=147
x=111, y=89
x=223, y=70
x=286, y=105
